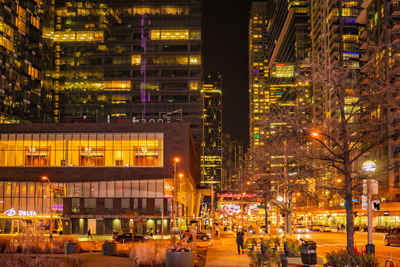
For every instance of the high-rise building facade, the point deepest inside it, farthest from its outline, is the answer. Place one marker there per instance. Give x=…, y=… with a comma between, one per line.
x=211, y=157
x=22, y=96
x=279, y=51
x=128, y=60
x=232, y=164
x=258, y=96
x=379, y=68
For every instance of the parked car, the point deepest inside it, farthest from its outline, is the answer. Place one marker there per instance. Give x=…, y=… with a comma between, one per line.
x=203, y=236
x=301, y=230
x=393, y=237
x=127, y=237
x=325, y=228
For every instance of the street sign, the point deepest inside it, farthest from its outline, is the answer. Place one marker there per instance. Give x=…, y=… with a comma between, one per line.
x=376, y=205
x=364, y=202
x=374, y=186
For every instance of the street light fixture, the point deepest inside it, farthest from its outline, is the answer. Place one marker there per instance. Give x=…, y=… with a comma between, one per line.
x=315, y=134
x=45, y=178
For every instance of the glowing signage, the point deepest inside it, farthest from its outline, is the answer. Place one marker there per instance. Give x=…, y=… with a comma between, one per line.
x=230, y=195
x=230, y=208
x=12, y=212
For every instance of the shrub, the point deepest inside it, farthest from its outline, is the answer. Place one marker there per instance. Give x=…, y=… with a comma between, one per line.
x=341, y=258
x=149, y=254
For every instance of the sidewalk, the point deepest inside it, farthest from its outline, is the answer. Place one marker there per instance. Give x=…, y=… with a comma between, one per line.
x=224, y=253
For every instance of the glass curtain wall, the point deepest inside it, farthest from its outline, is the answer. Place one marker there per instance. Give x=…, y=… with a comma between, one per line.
x=82, y=149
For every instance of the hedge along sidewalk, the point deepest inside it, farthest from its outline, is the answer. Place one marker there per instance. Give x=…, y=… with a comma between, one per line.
x=224, y=253
x=75, y=260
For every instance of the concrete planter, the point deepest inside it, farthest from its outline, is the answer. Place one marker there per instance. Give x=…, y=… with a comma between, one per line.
x=71, y=248
x=109, y=248
x=179, y=259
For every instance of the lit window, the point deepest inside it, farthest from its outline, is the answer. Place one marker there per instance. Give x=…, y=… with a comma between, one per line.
x=36, y=156
x=20, y=24
x=169, y=34
x=21, y=12
x=195, y=60
x=35, y=22
x=33, y=72
x=136, y=59
x=117, y=85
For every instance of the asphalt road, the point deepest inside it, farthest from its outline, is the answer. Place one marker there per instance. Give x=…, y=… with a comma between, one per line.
x=328, y=242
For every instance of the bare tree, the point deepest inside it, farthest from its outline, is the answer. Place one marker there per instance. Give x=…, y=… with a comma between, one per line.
x=346, y=121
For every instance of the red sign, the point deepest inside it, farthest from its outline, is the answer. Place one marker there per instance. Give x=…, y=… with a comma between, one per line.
x=230, y=195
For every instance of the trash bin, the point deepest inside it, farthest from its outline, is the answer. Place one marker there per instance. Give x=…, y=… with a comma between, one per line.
x=308, y=251
x=109, y=248
x=70, y=248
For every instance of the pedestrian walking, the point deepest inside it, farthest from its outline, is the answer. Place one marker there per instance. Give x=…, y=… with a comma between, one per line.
x=151, y=232
x=239, y=241
x=89, y=234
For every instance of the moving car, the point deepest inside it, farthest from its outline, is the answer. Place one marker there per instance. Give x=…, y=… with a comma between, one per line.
x=127, y=237
x=203, y=236
x=393, y=237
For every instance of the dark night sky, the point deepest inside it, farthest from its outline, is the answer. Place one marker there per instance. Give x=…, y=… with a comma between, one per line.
x=225, y=50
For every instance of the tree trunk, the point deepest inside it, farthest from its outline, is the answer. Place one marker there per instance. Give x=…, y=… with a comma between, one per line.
x=349, y=205
x=289, y=218
x=266, y=217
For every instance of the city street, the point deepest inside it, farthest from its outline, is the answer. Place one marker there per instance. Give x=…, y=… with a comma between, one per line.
x=327, y=242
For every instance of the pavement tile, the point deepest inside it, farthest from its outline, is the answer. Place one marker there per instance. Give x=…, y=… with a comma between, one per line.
x=224, y=253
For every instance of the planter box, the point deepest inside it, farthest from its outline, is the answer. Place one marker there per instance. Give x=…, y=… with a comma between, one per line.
x=71, y=248
x=109, y=248
x=180, y=259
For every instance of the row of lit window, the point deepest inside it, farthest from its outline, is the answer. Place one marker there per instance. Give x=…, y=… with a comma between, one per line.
x=8, y=30
x=76, y=36
x=33, y=72
x=178, y=60
x=183, y=34
x=7, y=44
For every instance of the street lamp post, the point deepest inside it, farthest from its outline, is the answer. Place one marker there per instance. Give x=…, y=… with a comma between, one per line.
x=369, y=167
x=44, y=178
x=212, y=210
x=176, y=160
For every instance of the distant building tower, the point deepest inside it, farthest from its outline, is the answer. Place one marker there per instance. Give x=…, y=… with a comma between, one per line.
x=232, y=164
x=211, y=157
x=22, y=95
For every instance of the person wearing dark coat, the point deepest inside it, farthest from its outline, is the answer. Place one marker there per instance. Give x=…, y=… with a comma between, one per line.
x=239, y=241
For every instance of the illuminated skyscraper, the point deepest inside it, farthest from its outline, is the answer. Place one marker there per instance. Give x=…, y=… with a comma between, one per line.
x=128, y=60
x=232, y=164
x=22, y=96
x=279, y=50
x=257, y=65
x=211, y=157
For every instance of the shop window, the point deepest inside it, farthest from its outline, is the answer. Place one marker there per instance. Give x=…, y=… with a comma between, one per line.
x=108, y=205
x=145, y=155
x=125, y=204
x=37, y=156
x=91, y=156
x=158, y=206
x=136, y=205
x=90, y=205
x=144, y=206
x=75, y=205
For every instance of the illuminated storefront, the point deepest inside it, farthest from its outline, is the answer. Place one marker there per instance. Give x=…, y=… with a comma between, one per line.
x=106, y=177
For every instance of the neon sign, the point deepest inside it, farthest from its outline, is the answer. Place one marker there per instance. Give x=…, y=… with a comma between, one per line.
x=12, y=212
